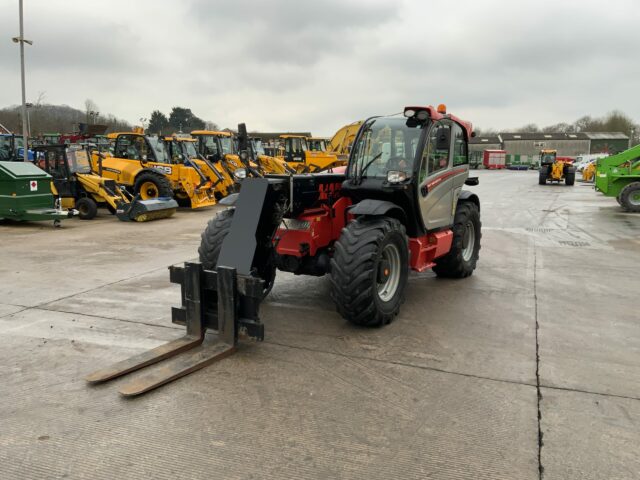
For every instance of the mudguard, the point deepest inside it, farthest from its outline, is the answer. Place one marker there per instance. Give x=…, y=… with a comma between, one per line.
x=378, y=207
x=468, y=196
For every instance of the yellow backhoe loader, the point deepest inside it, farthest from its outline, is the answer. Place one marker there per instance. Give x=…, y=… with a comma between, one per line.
x=143, y=164
x=76, y=187
x=297, y=154
x=183, y=149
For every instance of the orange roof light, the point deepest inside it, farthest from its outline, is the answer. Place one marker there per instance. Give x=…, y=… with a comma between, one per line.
x=442, y=108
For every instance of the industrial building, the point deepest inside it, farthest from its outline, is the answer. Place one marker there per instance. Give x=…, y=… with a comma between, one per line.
x=524, y=148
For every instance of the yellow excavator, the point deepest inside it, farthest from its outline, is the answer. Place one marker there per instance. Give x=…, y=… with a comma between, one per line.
x=183, y=149
x=76, y=187
x=340, y=143
x=266, y=163
x=142, y=163
x=296, y=153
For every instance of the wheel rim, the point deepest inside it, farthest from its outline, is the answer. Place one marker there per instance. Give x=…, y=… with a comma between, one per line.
x=634, y=198
x=148, y=190
x=84, y=209
x=468, y=241
x=388, y=277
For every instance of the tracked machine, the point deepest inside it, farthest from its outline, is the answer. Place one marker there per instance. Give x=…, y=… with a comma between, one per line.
x=399, y=206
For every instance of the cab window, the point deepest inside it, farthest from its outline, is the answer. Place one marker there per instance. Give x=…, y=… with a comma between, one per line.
x=460, y=154
x=435, y=157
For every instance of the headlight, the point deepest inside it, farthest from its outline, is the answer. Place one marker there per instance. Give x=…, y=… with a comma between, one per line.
x=240, y=174
x=394, y=176
x=294, y=224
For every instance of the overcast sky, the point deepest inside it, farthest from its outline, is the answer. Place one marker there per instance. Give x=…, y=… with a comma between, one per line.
x=316, y=65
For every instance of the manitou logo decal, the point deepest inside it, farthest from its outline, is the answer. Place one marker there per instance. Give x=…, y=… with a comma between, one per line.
x=328, y=188
x=33, y=185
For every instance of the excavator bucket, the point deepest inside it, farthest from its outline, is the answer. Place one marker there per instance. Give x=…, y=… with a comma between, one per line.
x=145, y=210
x=225, y=300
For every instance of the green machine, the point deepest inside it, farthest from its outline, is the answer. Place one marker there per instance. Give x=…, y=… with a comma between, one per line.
x=619, y=176
x=25, y=194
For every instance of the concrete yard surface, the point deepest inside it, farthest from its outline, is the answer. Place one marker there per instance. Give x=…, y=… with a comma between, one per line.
x=528, y=369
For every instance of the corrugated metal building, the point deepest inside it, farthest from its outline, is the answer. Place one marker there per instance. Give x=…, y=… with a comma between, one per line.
x=607, y=142
x=530, y=144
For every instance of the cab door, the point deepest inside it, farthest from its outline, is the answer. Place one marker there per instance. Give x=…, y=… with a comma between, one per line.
x=435, y=181
x=294, y=150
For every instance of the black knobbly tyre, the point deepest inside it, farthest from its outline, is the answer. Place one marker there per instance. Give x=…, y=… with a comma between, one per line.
x=211, y=244
x=570, y=178
x=87, y=208
x=542, y=176
x=461, y=260
x=152, y=185
x=369, y=270
x=630, y=197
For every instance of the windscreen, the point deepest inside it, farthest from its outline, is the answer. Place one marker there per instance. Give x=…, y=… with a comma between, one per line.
x=78, y=160
x=259, y=148
x=189, y=149
x=227, y=145
x=386, y=144
x=159, y=150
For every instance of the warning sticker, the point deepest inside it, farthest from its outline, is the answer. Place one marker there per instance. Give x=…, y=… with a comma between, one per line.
x=33, y=185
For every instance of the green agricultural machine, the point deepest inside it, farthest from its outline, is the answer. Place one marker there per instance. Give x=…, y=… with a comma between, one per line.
x=619, y=176
x=25, y=194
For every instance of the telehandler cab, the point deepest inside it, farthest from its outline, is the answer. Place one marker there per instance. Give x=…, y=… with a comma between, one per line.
x=399, y=206
x=78, y=188
x=142, y=163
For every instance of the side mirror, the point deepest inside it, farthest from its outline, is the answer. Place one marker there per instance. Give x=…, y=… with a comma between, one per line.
x=144, y=159
x=472, y=181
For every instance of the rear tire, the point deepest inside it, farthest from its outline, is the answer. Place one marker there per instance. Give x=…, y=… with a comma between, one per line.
x=211, y=244
x=152, y=185
x=369, y=270
x=542, y=176
x=87, y=208
x=630, y=197
x=461, y=260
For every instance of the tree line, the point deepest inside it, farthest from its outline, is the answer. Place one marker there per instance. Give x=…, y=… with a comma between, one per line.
x=46, y=118
x=179, y=120
x=615, y=121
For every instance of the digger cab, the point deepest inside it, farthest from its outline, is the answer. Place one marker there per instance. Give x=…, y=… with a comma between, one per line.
x=317, y=144
x=418, y=161
x=63, y=162
x=295, y=148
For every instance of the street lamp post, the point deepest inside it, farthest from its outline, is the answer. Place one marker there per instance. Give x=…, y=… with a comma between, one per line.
x=29, y=105
x=21, y=40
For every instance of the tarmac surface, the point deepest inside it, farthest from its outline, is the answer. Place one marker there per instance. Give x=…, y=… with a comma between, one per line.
x=528, y=369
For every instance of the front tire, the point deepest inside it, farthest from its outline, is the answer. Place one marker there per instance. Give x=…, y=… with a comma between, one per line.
x=369, y=270
x=461, y=260
x=211, y=244
x=630, y=197
x=87, y=208
x=150, y=185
